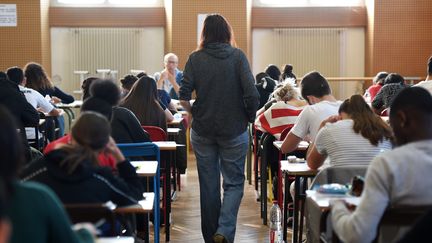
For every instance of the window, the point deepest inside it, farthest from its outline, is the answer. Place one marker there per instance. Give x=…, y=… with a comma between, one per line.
x=81, y=2
x=108, y=3
x=132, y=2
x=310, y=3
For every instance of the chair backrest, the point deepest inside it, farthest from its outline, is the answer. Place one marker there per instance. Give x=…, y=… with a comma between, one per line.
x=155, y=133
x=339, y=174
x=385, y=112
x=285, y=132
x=92, y=212
x=139, y=149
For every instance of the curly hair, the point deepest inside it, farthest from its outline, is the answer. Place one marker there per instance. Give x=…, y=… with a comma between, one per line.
x=285, y=92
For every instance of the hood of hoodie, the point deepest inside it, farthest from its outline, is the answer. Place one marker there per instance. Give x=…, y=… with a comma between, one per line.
x=219, y=50
x=55, y=169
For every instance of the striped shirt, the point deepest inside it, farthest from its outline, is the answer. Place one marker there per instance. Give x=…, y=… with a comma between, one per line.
x=344, y=147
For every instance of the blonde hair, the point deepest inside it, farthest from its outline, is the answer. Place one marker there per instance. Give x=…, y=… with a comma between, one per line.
x=285, y=92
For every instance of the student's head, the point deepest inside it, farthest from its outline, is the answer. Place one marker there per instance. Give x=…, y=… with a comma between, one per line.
x=97, y=105
x=90, y=134
x=287, y=72
x=171, y=61
x=107, y=90
x=127, y=82
x=366, y=122
x=140, y=75
x=379, y=78
x=36, y=77
x=429, y=66
x=394, y=78
x=86, y=86
x=286, y=92
x=273, y=71
x=3, y=76
x=15, y=74
x=216, y=29
x=411, y=115
x=11, y=149
x=260, y=77
x=314, y=85
x=144, y=89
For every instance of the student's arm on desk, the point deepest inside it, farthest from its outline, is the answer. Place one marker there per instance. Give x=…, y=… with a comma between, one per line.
x=361, y=225
x=290, y=143
x=314, y=158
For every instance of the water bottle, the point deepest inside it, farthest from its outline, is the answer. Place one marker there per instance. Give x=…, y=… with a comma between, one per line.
x=275, y=224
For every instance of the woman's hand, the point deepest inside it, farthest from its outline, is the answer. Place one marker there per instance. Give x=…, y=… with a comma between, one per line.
x=111, y=148
x=330, y=119
x=55, y=100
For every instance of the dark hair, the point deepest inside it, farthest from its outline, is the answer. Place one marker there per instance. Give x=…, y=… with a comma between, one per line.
x=273, y=71
x=127, y=81
x=314, y=84
x=11, y=149
x=97, y=105
x=3, y=75
x=380, y=78
x=394, y=78
x=91, y=131
x=143, y=101
x=37, y=78
x=260, y=76
x=216, y=29
x=107, y=90
x=366, y=122
x=429, y=68
x=412, y=98
x=86, y=86
x=287, y=72
x=15, y=74
x=141, y=74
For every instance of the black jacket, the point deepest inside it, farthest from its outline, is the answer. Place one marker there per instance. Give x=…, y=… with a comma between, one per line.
x=126, y=128
x=88, y=183
x=226, y=97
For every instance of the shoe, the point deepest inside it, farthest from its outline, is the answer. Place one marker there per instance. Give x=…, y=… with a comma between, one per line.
x=217, y=238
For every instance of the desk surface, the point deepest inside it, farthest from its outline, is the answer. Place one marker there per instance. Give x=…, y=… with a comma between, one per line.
x=173, y=131
x=75, y=104
x=303, y=145
x=300, y=169
x=323, y=200
x=143, y=206
x=176, y=121
x=167, y=145
x=117, y=239
x=145, y=168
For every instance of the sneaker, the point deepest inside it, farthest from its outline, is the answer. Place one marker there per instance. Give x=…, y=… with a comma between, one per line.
x=217, y=238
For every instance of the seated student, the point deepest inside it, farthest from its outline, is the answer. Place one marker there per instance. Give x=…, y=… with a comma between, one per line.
x=378, y=82
x=163, y=96
x=393, y=84
x=287, y=73
x=72, y=171
x=315, y=89
x=265, y=86
x=34, y=211
x=143, y=102
x=354, y=137
x=16, y=75
x=280, y=112
x=126, y=83
x=273, y=72
x=427, y=83
x=396, y=177
x=16, y=103
x=37, y=79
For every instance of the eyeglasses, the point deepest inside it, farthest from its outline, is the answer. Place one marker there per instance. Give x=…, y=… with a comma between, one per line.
x=172, y=62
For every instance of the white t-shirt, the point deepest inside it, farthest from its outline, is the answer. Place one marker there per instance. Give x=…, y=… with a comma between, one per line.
x=37, y=101
x=310, y=118
x=344, y=147
x=395, y=177
x=427, y=84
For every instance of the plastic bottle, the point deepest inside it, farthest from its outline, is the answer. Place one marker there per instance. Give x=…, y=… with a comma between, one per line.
x=275, y=224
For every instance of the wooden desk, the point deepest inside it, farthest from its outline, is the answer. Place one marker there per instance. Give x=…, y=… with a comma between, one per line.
x=175, y=122
x=68, y=109
x=298, y=171
x=118, y=239
x=303, y=145
x=143, y=206
x=173, y=131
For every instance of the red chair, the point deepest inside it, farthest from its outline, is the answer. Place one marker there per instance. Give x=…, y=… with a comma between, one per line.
x=156, y=133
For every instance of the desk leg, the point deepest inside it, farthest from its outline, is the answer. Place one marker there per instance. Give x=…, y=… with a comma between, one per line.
x=285, y=206
x=168, y=198
x=264, y=189
x=296, y=208
x=156, y=205
x=302, y=208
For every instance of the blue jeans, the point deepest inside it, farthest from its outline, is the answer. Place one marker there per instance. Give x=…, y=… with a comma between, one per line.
x=216, y=156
